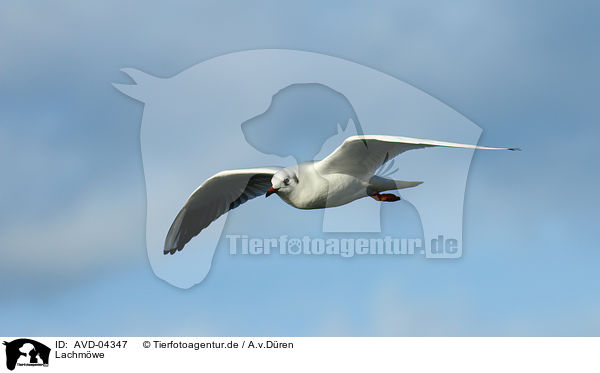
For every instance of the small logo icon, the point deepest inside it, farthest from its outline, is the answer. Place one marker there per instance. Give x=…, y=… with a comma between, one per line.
x=26, y=352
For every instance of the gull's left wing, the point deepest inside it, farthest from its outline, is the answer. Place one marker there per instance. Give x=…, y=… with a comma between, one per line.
x=363, y=155
x=217, y=195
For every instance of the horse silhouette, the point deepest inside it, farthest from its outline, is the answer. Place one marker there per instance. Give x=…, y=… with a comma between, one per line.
x=228, y=113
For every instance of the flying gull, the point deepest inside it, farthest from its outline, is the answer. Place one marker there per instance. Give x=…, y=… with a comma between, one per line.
x=347, y=174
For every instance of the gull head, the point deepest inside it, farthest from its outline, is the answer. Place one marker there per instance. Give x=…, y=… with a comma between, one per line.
x=284, y=181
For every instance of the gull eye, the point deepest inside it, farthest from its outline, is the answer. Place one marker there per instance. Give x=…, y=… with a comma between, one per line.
x=286, y=181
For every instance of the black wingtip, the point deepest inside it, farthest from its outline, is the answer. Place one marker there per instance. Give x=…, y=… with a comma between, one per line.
x=515, y=149
x=172, y=251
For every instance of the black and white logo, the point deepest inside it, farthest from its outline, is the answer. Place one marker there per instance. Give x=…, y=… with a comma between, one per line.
x=26, y=352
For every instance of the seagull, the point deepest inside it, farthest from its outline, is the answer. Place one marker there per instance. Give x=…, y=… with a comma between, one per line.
x=347, y=174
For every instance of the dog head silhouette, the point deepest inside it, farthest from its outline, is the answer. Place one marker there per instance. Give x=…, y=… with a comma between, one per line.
x=300, y=118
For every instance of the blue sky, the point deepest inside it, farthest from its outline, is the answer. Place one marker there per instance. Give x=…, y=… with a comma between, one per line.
x=72, y=201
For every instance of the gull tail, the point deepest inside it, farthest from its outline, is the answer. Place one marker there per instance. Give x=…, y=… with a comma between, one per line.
x=400, y=184
x=378, y=184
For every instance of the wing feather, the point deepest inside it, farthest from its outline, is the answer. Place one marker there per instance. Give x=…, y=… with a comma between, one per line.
x=363, y=155
x=217, y=195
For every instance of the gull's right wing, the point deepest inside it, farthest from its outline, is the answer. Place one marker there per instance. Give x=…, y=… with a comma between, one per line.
x=217, y=195
x=363, y=155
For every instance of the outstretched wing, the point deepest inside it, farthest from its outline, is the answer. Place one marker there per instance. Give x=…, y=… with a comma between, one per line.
x=217, y=195
x=363, y=155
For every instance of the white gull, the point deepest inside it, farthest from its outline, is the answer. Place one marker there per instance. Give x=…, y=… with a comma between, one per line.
x=347, y=174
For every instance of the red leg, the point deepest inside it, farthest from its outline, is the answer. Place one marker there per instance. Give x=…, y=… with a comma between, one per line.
x=386, y=197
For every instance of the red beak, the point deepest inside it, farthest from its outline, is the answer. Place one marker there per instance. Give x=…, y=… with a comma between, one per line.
x=271, y=191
